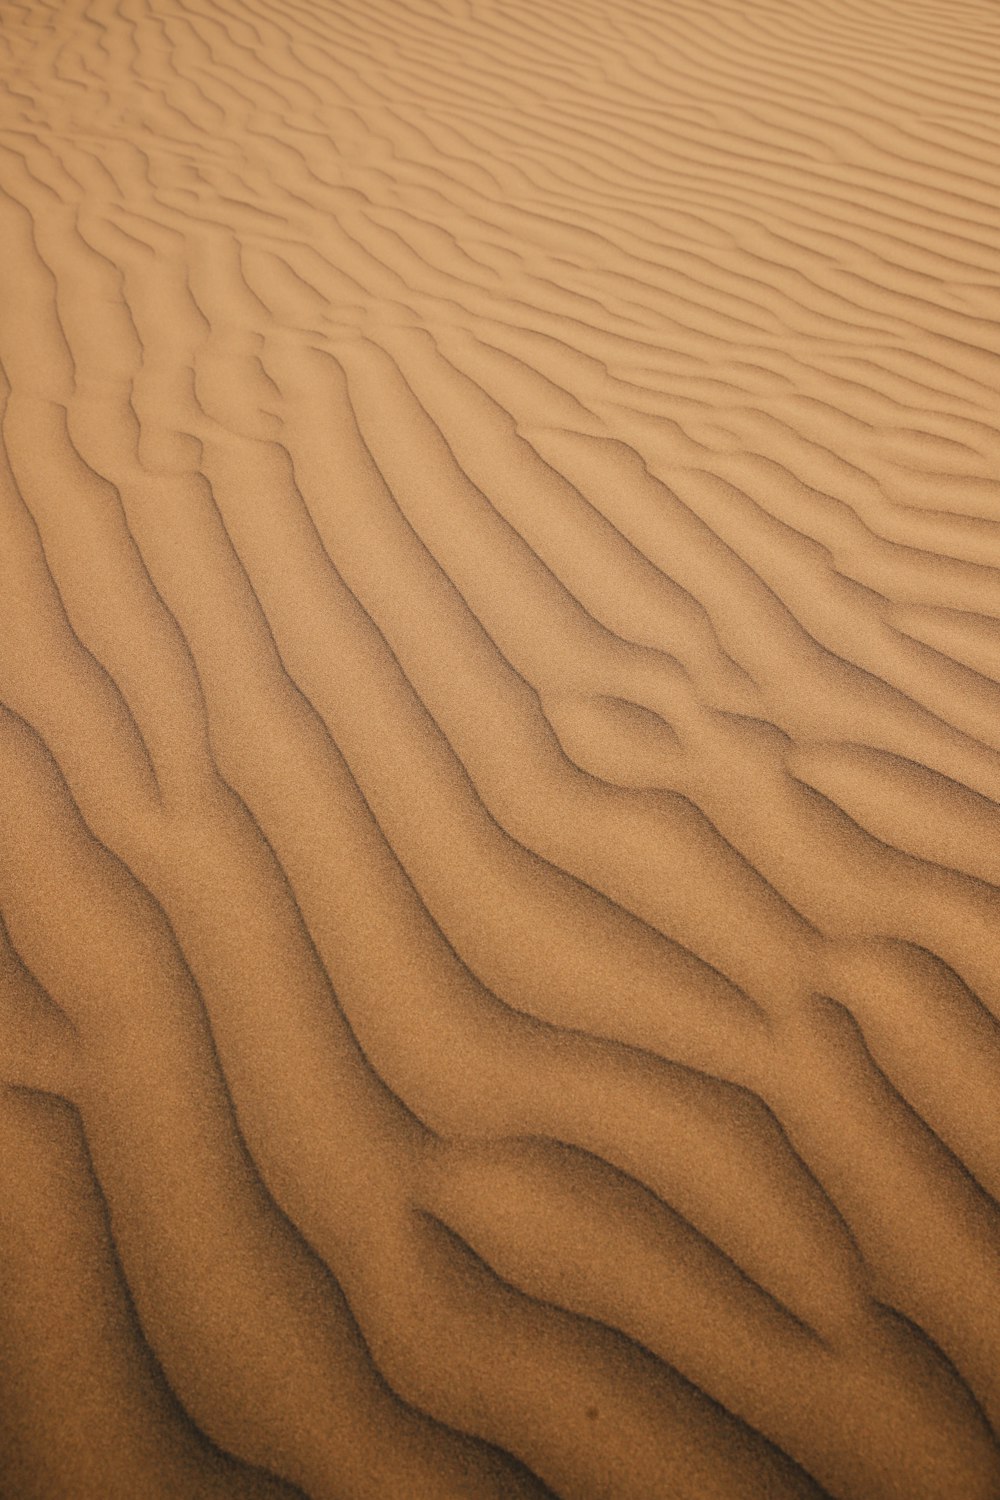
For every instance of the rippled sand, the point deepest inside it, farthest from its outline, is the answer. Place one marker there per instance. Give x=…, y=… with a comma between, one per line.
x=500, y=750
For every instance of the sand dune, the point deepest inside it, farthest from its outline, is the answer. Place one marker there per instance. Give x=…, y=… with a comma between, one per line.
x=500, y=750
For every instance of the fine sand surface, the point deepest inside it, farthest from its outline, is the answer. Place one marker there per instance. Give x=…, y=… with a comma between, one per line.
x=500, y=749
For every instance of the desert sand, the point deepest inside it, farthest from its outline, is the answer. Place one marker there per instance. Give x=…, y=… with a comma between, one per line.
x=499, y=749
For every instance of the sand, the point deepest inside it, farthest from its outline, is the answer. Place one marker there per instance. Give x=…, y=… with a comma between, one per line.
x=499, y=749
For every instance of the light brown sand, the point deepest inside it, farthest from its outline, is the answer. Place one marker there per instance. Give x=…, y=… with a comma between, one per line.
x=499, y=749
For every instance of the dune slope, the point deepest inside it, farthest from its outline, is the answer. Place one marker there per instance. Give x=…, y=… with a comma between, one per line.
x=499, y=749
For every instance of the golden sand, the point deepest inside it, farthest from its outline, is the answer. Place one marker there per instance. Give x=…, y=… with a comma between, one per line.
x=499, y=749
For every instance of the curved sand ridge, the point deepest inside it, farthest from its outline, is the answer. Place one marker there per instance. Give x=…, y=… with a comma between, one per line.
x=500, y=750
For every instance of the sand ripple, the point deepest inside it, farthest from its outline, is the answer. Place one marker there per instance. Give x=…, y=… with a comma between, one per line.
x=500, y=751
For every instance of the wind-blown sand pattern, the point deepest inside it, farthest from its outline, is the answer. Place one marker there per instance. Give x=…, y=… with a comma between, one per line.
x=500, y=750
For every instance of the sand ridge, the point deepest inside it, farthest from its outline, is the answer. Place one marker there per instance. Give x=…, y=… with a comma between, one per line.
x=499, y=750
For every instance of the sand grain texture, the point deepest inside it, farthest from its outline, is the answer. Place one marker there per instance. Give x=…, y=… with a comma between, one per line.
x=499, y=750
